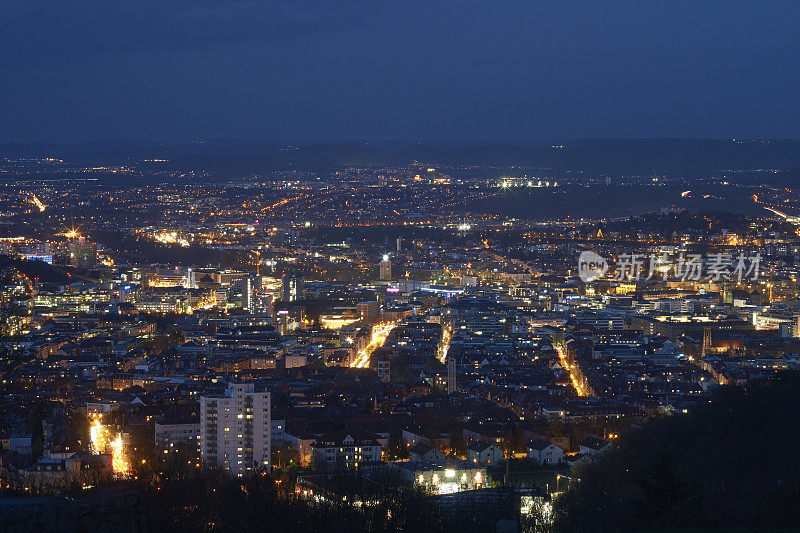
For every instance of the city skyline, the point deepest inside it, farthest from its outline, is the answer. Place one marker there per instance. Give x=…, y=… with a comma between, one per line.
x=386, y=266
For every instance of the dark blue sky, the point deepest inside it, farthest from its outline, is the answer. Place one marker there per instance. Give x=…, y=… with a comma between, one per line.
x=388, y=69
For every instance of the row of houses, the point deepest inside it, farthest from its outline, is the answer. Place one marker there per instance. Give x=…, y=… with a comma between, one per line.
x=488, y=454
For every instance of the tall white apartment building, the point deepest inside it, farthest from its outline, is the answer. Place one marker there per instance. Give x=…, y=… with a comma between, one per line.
x=235, y=431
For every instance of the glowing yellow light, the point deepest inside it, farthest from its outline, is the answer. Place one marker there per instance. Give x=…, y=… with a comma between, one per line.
x=102, y=442
x=379, y=334
x=570, y=369
x=38, y=203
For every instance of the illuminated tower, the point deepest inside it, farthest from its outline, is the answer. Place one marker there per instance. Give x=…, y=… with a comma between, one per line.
x=706, y=341
x=249, y=294
x=385, y=269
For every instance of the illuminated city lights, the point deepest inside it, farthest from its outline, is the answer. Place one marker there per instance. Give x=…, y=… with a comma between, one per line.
x=570, y=368
x=104, y=441
x=379, y=334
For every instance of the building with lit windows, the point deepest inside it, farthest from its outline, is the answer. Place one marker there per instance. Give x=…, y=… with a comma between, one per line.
x=81, y=253
x=292, y=287
x=369, y=312
x=170, y=434
x=385, y=267
x=384, y=367
x=442, y=477
x=247, y=286
x=545, y=453
x=347, y=447
x=484, y=453
x=235, y=429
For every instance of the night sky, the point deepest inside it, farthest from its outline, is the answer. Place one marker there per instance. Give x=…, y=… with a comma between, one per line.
x=385, y=69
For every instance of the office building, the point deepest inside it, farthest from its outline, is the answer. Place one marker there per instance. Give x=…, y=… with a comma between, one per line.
x=369, y=312
x=292, y=287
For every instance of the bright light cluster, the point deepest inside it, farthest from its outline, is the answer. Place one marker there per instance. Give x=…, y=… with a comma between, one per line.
x=104, y=442
x=379, y=334
x=170, y=237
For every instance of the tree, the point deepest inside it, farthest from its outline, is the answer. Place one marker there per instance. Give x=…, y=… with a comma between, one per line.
x=722, y=465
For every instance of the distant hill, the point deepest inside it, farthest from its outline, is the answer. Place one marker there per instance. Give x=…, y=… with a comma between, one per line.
x=674, y=156
x=320, y=156
x=36, y=269
x=683, y=157
x=123, y=152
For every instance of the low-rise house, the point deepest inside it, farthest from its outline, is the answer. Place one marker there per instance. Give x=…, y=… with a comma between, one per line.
x=423, y=452
x=578, y=459
x=301, y=442
x=545, y=453
x=485, y=433
x=61, y=469
x=346, y=447
x=21, y=444
x=594, y=446
x=484, y=453
x=413, y=437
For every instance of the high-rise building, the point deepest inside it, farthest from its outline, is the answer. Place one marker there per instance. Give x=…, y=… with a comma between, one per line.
x=451, y=376
x=249, y=294
x=399, y=244
x=235, y=432
x=292, y=287
x=247, y=286
x=264, y=303
x=385, y=266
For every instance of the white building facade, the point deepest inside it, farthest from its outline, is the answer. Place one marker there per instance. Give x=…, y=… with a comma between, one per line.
x=236, y=429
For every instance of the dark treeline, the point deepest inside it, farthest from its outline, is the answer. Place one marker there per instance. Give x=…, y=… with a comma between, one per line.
x=212, y=500
x=36, y=270
x=730, y=463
